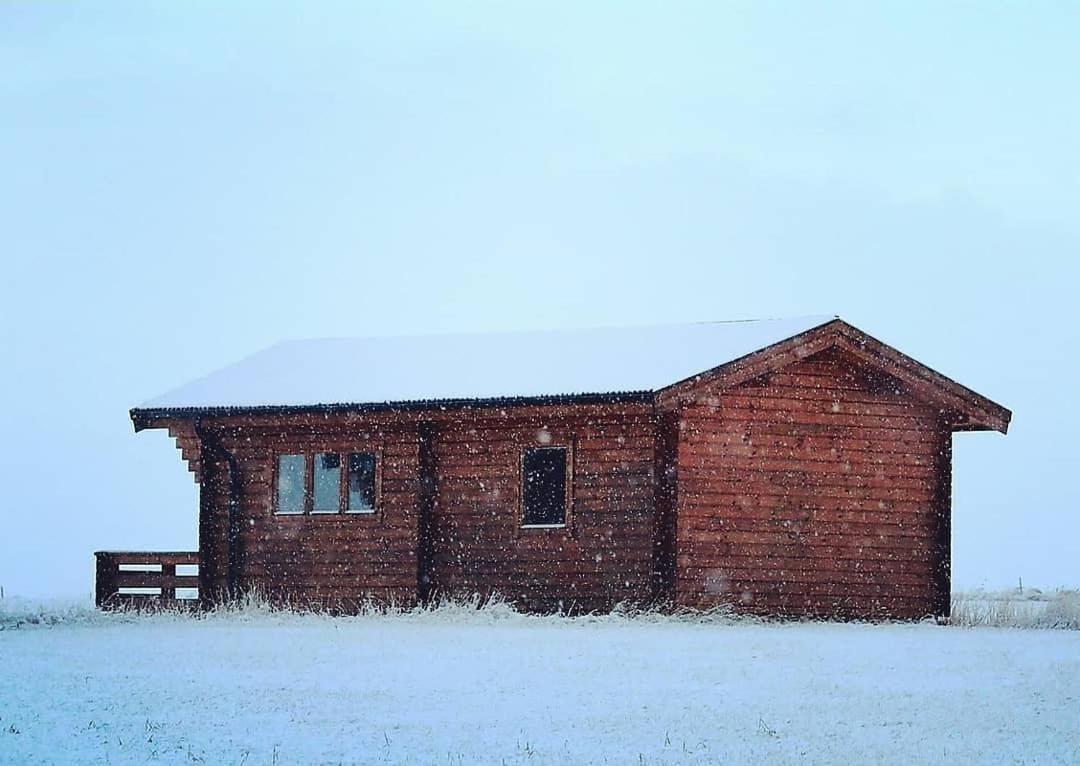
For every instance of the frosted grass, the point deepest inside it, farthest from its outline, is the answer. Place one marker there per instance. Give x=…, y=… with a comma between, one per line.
x=1031, y=609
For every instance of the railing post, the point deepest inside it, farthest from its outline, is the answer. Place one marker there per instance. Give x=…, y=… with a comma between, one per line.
x=168, y=592
x=104, y=578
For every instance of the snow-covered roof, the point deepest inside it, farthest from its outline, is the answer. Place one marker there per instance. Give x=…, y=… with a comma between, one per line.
x=344, y=371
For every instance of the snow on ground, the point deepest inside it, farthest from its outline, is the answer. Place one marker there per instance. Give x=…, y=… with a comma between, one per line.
x=461, y=687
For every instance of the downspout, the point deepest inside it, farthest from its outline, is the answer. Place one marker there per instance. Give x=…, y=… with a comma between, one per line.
x=232, y=534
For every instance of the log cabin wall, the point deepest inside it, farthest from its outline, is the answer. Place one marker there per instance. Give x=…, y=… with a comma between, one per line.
x=821, y=489
x=604, y=555
x=339, y=560
x=449, y=520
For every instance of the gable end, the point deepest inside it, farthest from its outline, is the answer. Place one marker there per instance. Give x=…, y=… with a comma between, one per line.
x=969, y=411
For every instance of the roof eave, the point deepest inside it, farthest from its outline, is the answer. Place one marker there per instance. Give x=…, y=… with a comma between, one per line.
x=978, y=412
x=157, y=417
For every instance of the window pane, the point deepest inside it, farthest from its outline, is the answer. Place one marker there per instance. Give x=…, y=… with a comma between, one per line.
x=361, y=481
x=290, y=484
x=327, y=483
x=544, y=492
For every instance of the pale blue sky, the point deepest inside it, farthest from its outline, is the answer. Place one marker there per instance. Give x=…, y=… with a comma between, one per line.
x=183, y=183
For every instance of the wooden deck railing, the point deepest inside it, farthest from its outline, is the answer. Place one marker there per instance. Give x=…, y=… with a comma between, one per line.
x=146, y=579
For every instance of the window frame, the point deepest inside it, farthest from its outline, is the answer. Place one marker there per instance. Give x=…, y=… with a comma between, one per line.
x=308, y=452
x=312, y=459
x=567, y=445
x=377, y=478
x=275, y=493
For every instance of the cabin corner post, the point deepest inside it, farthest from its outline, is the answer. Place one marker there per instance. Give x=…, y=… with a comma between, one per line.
x=665, y=499
x=233, y=537
x=219, y=520
x=942, y=606
x=104, y=578
x=426, y=501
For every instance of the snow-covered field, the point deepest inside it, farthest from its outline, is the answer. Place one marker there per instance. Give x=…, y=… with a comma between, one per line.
x=461, y=686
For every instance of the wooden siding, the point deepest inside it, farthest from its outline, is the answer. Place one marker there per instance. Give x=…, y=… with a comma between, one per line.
x=449, y=521
x=338, y=560
x=821, y=489
x=605, y=553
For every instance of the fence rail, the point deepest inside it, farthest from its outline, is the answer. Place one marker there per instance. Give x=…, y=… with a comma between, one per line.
x=146, y=578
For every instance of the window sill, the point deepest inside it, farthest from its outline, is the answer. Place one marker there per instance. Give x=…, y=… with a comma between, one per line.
x=325, y=514
x=543, y=526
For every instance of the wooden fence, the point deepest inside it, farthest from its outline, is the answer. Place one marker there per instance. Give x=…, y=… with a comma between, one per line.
x=145, y=579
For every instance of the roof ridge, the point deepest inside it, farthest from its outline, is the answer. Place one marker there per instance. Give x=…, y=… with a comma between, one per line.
x=822, y=318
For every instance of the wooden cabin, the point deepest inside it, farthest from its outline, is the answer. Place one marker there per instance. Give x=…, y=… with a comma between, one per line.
x=793, y=466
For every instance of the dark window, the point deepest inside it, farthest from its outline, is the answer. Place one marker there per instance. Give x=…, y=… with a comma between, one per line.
x=290, y=484
x=544, y=490
x=361, y=482
x=327, y=483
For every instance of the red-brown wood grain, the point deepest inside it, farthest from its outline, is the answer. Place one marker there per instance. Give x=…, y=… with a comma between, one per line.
x=815, y=490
